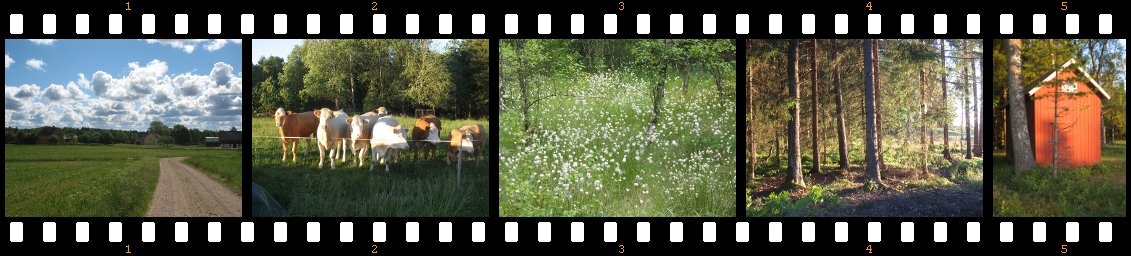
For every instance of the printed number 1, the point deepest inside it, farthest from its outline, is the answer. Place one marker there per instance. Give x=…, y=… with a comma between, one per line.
x=1063, y=6
x=621, y=6
x=128, y=249
x=1063, y=249
x=869, y=5
x=869, y=249
x=128, y=6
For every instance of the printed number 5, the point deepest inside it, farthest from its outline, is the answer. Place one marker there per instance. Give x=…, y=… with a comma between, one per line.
x=1063, y=6
x=1063, y=249
x=621, y=6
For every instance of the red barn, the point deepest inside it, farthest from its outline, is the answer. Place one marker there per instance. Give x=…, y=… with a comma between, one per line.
x=1080, y=120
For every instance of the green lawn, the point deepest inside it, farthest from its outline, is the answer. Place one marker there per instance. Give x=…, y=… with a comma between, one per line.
x=1096, y=191
x=96, y=181
x=422, y=188
x=590, y=154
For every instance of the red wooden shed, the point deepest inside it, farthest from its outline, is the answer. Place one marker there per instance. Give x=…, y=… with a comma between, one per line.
x=1080, y=120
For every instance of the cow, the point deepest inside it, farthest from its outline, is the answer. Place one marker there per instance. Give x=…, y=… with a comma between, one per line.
x=361, y=130
x=468, y=138
x=381, y=111
x=331, y=130
x=293, y=125
x=426, y=134
x=386, y=138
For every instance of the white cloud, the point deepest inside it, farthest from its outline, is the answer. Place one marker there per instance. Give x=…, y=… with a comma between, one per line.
x=10, y=100
x=42, y=41
x=27, y=91
x=8, y=61
x=139, y=83
x=221, y=73
x=191, y=85
x=56, y=92
x=76, y=92
x=217, y=44
x=190, y=45
x=36, y=64
x=83, y=82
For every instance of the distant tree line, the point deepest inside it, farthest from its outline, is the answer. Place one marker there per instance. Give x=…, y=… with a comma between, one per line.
x=360, y=75
x=178, y=134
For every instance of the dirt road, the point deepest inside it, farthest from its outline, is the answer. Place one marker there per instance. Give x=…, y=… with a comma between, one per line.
x=183, y=191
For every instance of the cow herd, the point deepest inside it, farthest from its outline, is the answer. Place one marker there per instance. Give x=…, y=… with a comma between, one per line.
x=376, y=132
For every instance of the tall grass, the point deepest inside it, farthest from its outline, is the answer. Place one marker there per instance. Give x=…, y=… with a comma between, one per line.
x=590, y=153
x=421, y=188
x=1095, y=191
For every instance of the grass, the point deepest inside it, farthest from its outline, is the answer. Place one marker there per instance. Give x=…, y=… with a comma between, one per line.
x=1095, y=191
x=93, y=181
x=783, y=203
x=423, y=188
x=590, y=154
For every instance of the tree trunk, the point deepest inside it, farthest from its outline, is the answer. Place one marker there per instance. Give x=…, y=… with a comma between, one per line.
x=751, y=124
x=794, y=178
x=816, y=121
x=879, y=104
x=1022, y=151
x=946, y=125
x=922, y=114
x=658, y=96
x=686, y=76
x=842, y=138
x=871, y=165
x=966, y=109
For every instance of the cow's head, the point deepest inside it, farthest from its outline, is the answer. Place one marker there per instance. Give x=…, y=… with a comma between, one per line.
x=433, y=134
x=324, y=115
x=280, y=114
x=466, y=143
x=356, y=123
x=382, y=112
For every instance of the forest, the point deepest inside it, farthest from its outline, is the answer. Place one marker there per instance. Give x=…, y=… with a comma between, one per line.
x=1064, y=153
x=617, y=127
x=871, y=128
x=361, y=75
x=178, y=134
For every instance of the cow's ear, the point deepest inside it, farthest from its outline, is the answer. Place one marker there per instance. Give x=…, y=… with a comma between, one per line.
x=349, y=120
x=365, y=121
x=317, y=113
x=290, y=113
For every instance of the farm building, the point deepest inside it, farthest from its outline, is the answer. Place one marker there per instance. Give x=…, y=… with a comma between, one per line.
x=231, y=139
x=212, y=141
x=151, y=139
x=1080, y=119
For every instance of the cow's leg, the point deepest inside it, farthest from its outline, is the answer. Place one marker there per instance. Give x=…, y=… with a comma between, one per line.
x=361, y=156
x=294, y=157
x=321, y=155
x=372, y=159
x=284, y=150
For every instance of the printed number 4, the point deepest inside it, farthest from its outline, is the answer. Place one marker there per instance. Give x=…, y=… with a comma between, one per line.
x=869, y=249
x=869, y=5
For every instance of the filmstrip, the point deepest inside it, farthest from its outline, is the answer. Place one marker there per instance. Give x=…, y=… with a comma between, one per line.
x=309, y=220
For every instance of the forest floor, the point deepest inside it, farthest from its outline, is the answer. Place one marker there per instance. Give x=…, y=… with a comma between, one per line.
x=950, y=191
x=1092, y=191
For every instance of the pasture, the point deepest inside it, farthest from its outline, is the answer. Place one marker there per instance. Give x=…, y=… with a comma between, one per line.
x=590, y=153
x=99, y=181
x=421, y=188
x=1093, y=191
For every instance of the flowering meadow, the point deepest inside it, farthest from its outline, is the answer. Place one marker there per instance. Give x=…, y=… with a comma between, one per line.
x=590, y=153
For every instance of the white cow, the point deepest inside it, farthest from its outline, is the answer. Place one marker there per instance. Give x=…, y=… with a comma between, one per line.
x=331, y=129
x=361, y=130
x=387, y=137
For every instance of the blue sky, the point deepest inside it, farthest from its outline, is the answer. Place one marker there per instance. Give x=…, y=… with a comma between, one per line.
x=282, y=47
x=123, y=84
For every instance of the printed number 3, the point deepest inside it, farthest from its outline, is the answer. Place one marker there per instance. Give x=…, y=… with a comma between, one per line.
x=621, y=6
x=621, y=249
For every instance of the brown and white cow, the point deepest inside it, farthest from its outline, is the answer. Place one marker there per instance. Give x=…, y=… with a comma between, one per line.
x=425, y=135
x=387, y=137
x=331, y=130
x=468, y=138
x=361, y=130
x=293, y=125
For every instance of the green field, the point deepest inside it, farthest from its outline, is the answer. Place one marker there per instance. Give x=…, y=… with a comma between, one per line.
x=590, y=154
x=1096, y=191
x=420, y=188
x=98, y=181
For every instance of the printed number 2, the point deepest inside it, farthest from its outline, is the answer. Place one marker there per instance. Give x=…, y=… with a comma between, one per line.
x=869, y=249
x=621, y=8
x=869, y=5
x=621, y=249
x=1063, y=6
x=1063, y=249
x=374, y=251
x=374, y=8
